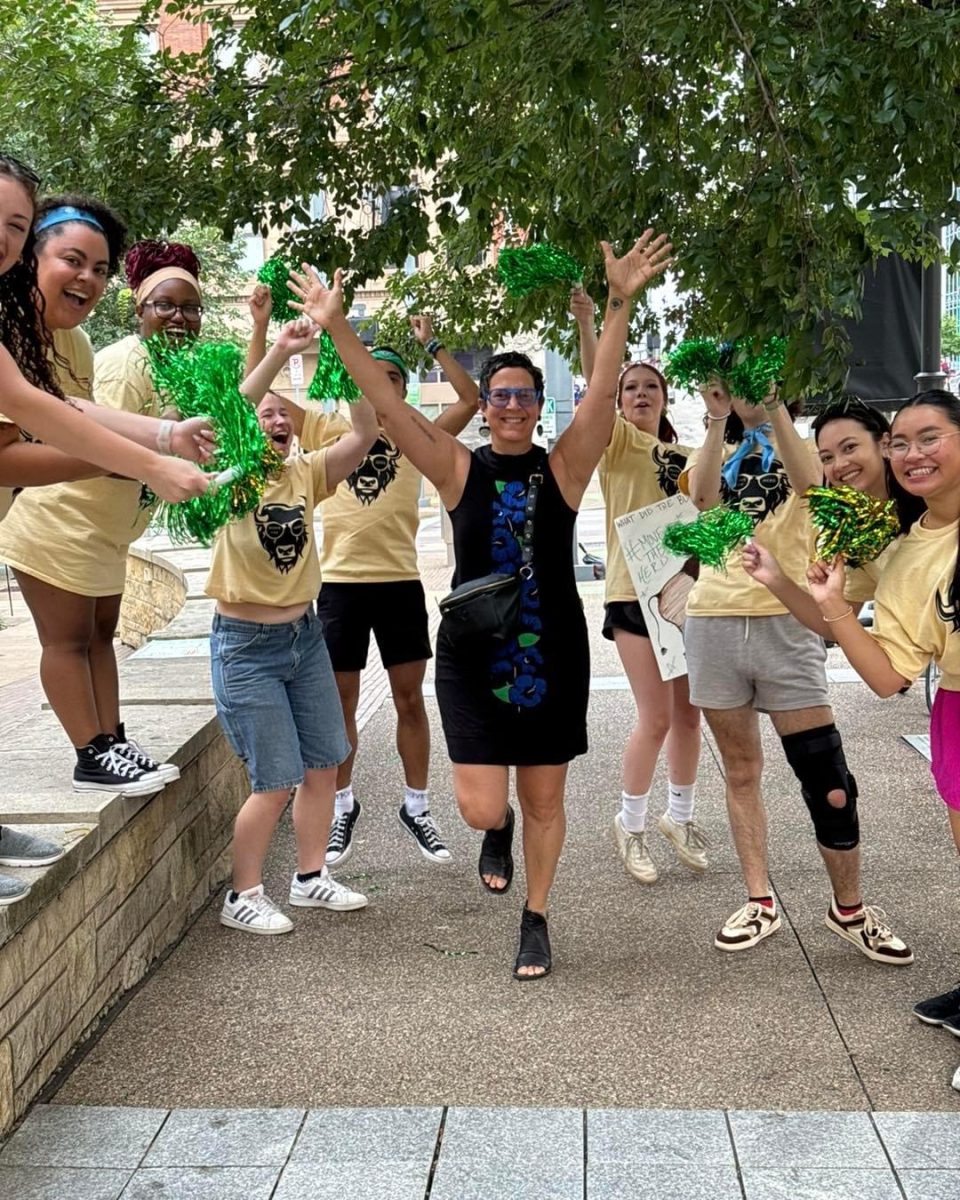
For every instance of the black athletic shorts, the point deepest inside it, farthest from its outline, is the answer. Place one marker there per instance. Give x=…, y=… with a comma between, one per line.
x=626, y=615
x=395, y=613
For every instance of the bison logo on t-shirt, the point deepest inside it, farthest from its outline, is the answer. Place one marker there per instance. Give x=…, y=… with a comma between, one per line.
x=669, y=464
x=948, y=613
x=375, y=474
x=757, y=492
x=283, y=533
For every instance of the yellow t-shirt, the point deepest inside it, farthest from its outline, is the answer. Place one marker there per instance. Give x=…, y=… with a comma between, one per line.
x=635, y=470
x=861, y=582
x=88, y=524
x=370, y=524
x=270, y=557
x=781, y=523
x=912, y=618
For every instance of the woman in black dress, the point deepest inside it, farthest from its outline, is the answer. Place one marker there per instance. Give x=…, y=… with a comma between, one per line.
x=522, y=703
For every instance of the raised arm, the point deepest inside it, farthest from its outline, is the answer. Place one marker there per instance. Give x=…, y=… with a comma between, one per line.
x=64, y=427
x=434, y=453
x=576, y=454
x=458, y=416
x=703, y=482
x=585, y=313
x=261, y=306
x=802, y=468
x=346, y=454
x=293, y=338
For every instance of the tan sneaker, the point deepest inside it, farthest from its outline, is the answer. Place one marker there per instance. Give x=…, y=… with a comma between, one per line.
x=634, y=852
x=747, y=926
x=870, y=933
x=689, y=841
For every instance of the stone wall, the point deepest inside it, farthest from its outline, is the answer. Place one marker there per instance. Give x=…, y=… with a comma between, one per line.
x=154, y=593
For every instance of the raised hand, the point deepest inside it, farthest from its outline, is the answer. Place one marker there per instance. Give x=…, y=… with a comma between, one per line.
x=318, y=302
x=645, y=260
x=193, y=439
x=716, y=398
x=582, y=307
x=422, y=327
x=261, y=305
x=296, y=336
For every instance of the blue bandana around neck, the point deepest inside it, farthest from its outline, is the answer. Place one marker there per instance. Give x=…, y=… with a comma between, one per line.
x=753, y=440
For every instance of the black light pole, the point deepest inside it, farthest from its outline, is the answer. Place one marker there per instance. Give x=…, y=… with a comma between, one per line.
x=930, y=375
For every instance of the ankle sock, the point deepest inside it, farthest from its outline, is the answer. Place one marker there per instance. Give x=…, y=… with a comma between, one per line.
x=633, y=811
x=764, y=901
x=343, y=801
x=680, y=800
x=415, y=801
x=846, y=910
x=304, y=876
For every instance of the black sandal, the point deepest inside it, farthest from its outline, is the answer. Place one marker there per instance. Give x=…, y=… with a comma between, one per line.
x=496, y=855
x=534, y=946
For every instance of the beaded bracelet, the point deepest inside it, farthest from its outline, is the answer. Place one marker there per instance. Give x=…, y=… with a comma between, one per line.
x=830, y=620
x=710, y=417
x=433, y=346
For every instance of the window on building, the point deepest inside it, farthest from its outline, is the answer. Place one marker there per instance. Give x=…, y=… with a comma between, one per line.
x=253, y=252
x=470, y=360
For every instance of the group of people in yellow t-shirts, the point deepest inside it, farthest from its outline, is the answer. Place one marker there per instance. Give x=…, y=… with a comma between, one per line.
x=287, y=674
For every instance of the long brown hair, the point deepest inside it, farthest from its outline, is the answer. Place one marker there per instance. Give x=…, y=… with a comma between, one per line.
x=665, y=430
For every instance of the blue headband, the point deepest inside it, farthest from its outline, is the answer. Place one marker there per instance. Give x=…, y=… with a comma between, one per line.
x=66, y=212
x=383, y=354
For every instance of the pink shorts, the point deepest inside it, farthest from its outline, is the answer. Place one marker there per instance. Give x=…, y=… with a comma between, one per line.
x=945, y=745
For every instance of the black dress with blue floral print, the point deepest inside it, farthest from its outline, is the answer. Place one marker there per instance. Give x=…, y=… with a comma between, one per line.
x=522, y=702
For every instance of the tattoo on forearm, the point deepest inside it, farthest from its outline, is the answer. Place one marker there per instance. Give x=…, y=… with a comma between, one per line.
x=616, y=302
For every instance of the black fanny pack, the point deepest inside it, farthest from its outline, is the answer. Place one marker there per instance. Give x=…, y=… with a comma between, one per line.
x=489, y=607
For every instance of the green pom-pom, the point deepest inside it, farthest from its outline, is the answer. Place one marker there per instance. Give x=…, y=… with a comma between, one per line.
x=851, y=523
x=711, y=537
x=694, y=362
x=525, y=270
x=275, y=273
x=751, y=375
x=202, y=379
x=332, y=380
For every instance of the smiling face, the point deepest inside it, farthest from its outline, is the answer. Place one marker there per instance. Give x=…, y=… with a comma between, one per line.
x=175, y=327
x=275, y=422
x=72, y=268
x=16, y=217
x=930, y=468
x=642, y=399
x=852, y=456
x=511, y=428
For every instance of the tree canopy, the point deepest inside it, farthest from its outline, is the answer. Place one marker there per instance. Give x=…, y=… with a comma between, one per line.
x=782, y=143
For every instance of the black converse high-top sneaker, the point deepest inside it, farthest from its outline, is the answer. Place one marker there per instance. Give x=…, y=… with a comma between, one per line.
x=102, y=768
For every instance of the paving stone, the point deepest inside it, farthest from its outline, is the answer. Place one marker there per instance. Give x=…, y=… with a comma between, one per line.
x=796, y=1139
x=931, y=1185
x=205, y=1137
x=354, y=1181
x=342, y=1135
x=915, y=1139
x=202, y=1183
x=55, y=1135
x=193, y=621
x=190, y=646
x=658, y=1181
x=797, y=1184
x=518, y=1179
x=56, y=1183
x=658, y=1136
x=510, y=1135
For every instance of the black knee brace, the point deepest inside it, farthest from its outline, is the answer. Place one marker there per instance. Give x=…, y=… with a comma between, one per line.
x=816, y=757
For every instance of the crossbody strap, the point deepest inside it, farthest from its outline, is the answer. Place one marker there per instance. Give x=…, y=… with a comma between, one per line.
x=526, y=541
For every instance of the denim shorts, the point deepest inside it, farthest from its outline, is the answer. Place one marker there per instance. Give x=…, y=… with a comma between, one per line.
x=277, y=699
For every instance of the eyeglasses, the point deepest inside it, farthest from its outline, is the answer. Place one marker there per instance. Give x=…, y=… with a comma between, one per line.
x=500, y=397
x=927, y=443
x=166, y=308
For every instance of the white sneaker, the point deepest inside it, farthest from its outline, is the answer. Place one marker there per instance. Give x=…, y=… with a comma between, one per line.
x=634, y=852
x=689, y=841
x=254, y=912
x=956, y=1080
x=870, y=933
x=747, y=926
x=323, y=891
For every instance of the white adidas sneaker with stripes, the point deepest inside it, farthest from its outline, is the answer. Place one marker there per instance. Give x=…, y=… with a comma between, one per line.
x=253, y=912
x=323, y=891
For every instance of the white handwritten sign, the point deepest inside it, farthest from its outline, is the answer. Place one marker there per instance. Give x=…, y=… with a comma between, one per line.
x=660, y=578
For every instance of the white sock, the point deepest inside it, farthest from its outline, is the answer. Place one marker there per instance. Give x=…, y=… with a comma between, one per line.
x=416, y=802
x=633, y=811
x=343, y=801
x=680, y=801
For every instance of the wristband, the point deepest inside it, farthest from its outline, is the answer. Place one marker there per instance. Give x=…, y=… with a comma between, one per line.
x=165, y=437
x=830, y=620
x=723, y=418
x=433, y=346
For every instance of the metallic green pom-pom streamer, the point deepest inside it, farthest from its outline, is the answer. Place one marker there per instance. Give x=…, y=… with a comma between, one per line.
x=698, y=360
x=694, y=362
x=526, y=269
x=202, y=379
x=711, y=537
x=332, y=380
x=274, y=273
x=855, y=524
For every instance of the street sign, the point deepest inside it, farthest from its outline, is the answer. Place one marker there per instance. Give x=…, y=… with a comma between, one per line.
x=295, y=369
x=413, y=391
x=548, y=418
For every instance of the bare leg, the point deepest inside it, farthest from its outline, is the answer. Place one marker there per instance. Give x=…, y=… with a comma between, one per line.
x=312, y=814
x=252, y=831
x=103, y=662
x=954, y=815
x=348, y=685
x=654, y=701
x=413, y=728
x=540, y=791
x=683, y=740
x=482, y=793
x=843, y=866
x=737, y=734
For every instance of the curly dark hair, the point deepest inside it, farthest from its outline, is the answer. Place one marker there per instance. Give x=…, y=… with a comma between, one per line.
x=114, y=229
x=509, y=358
x=143, y=258
x=22, y=329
